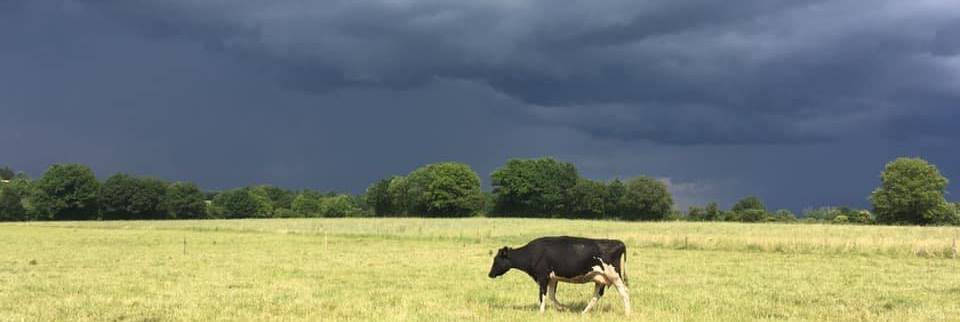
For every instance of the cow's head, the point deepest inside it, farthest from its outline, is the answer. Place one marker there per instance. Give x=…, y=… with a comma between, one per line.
x=501, y=263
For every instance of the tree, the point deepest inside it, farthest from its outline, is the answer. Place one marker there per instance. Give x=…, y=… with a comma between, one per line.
x=340, y=206
x=587, y=199
x=696, y=214
x=784, y=215
x=401, y=200
x=533, y=187
x=712, y=213
x=277, y=197
x=646, y=198
x=237, y=203
x=611, y=201
x=13, y=195
x=264, y=203
x=184, y=200
x=308, y=204
x=378, y=197
x=67, y=192
x=750, y=202
x=445, y=189
x=6, y=173
x=127, y=197
x=911, y=191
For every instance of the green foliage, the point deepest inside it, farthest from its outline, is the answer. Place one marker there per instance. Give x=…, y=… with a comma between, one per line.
x=712, y=212
x=911, y=191
x=340, y=206
x=841, y=219
x=401, y=200
x=822, y=214
x=378, y=197
x=611, y=201
x=184, y=200
x=277, y=198
x=6, y=173
x=446, y=189
x=264, y=203
x=533, y=187
x=308, y=204
x=66, y=192
x=645, y=198
x=13, y=196
x=237, y=203
x=587, y=199
x=752, y=215
x=860, y=217
x=696, y=214
x=784, y=215
x=127, y=197
x=751, y=202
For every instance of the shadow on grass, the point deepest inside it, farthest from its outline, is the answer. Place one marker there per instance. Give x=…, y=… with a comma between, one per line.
x=572, y=307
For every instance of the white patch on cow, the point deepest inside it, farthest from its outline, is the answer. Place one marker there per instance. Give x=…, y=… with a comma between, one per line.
x=594, y=299
x=543, y=304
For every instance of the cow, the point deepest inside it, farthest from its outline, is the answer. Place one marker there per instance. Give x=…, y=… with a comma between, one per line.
x=549, y=260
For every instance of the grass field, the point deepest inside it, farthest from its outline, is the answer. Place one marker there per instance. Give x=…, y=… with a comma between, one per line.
x=435, y=270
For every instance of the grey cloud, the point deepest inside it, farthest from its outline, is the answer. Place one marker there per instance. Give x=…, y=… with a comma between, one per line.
x=758, y=71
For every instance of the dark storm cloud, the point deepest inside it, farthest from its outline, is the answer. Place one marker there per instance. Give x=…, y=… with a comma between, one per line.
x=674, y=72
x=799, y=102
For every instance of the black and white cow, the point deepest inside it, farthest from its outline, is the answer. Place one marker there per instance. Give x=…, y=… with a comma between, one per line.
x=549, y=260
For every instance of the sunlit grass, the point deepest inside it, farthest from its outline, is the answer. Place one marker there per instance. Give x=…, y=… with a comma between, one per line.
x=435, y=270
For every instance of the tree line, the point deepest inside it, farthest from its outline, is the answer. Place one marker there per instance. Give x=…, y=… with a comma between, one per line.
x=912, y=191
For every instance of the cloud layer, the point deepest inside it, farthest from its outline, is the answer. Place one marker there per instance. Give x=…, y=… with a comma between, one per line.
x=673, y=72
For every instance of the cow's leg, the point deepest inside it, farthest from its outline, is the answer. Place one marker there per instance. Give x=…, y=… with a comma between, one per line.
x=552, y=294
x=624, y=293
x=597, y=293
x=542, y=296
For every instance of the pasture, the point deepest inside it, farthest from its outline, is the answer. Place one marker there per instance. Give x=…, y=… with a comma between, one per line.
x=435, y=270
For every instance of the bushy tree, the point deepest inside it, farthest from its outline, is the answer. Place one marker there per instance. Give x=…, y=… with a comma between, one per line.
x=645, y=198
x=861, y=216
x=911, y=191
x=752, y=215
x=750, y=202
x=695, y=213
x=749, y=209
x=446, y=189
x=237, y=203
x=6, y=173
x=401, y=200
x=587, y=199
x=277, y=197
x=378, y=196
x=308, y=204
x=821, y=214
x=712, y=212
x=264, y=203
x=184, y=200
x=128, y=197
x=66, y=192
x=533, y=187
x=340, y=206
x=611, y=201
x=784, y=215
x=13, y=196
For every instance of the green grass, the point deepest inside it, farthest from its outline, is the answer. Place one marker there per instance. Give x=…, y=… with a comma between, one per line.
x=435, y=270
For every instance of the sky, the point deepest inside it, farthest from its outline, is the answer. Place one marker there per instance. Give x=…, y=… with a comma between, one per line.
x=799, y=102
